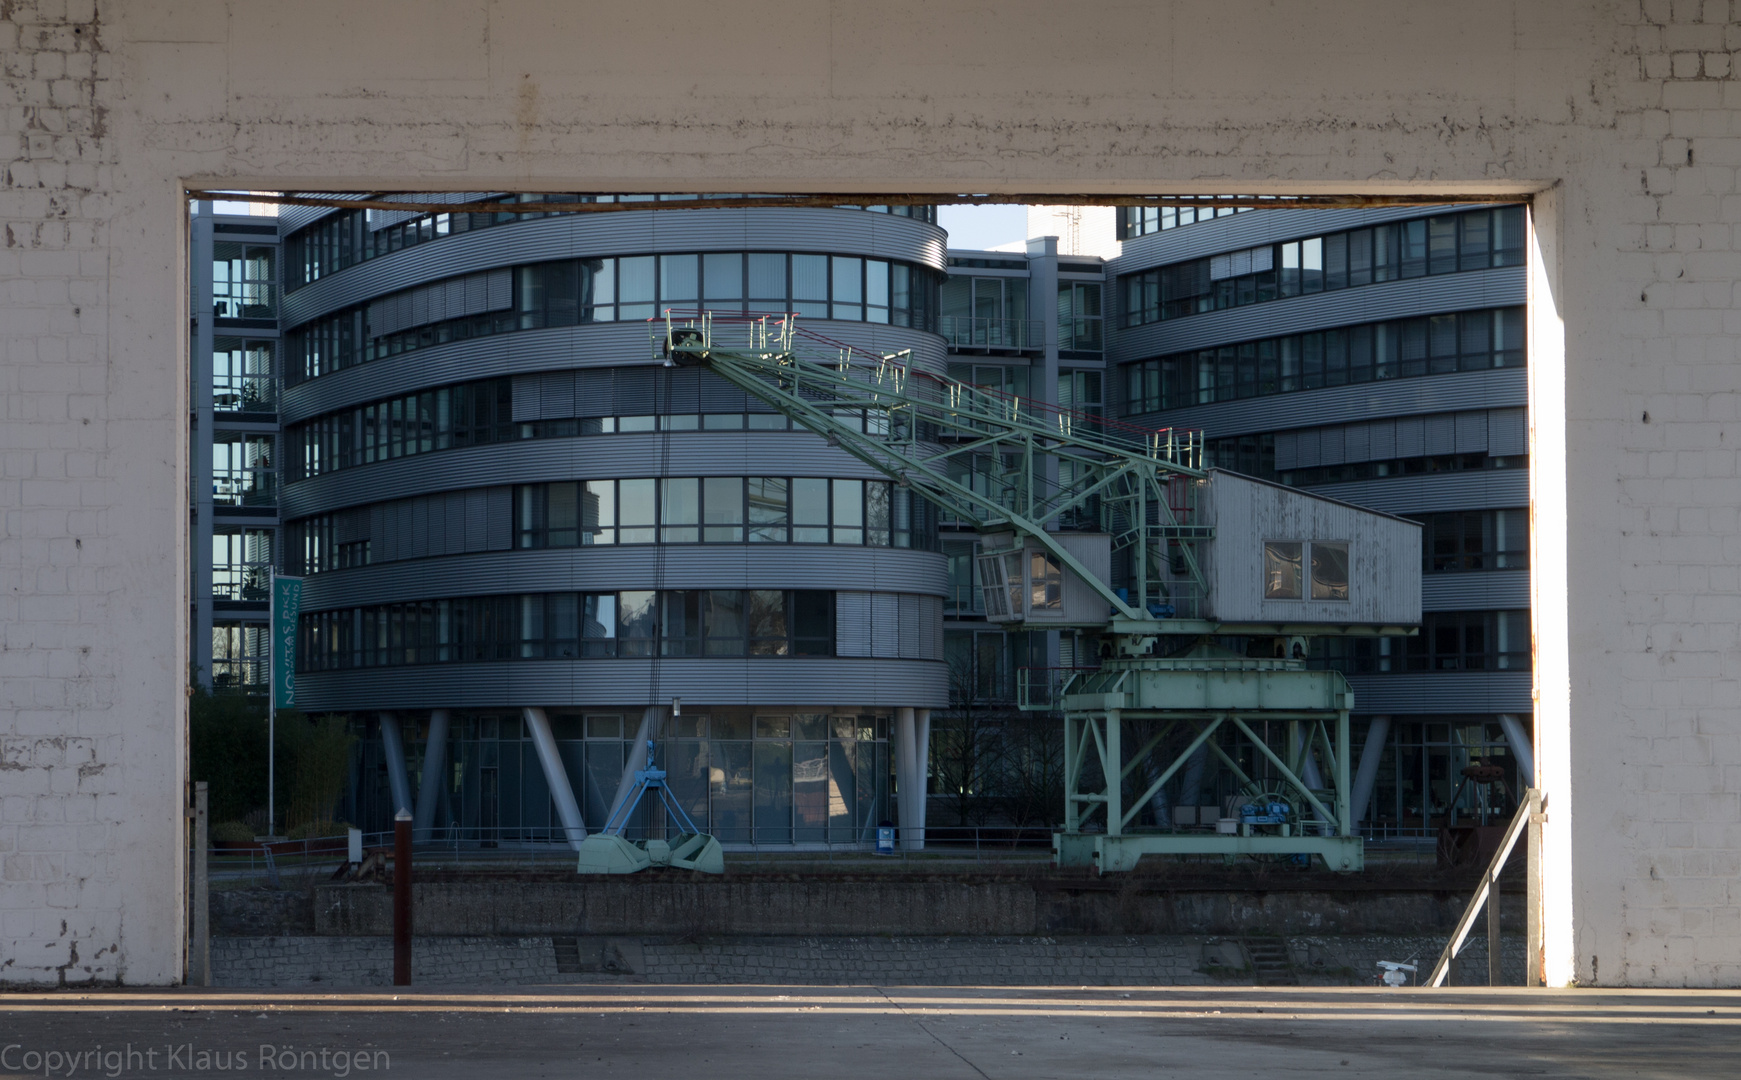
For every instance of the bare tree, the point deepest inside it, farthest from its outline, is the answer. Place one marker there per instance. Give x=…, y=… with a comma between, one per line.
x=966, y=744
x=1032, y=778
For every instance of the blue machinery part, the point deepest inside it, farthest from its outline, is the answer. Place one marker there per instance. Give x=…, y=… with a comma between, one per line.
x=607, y=852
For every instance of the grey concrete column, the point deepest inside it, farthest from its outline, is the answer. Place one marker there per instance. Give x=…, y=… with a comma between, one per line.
x=561, y=791
x=1371, y=756
x=906, y=753
x=1522, y=747
x=398, y=777
x=430, y=784
x=921, y=766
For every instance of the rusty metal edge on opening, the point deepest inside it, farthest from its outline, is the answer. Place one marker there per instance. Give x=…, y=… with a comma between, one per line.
x=860, y=198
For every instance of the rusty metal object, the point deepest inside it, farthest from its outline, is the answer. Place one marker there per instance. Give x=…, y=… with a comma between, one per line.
x=862, y=198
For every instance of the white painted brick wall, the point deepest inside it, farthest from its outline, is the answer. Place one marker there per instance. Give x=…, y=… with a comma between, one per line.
x=1627, y=112
x=1667, y=846
x=63, y=743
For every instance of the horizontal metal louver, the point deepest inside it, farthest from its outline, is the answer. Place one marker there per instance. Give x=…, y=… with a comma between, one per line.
x=1287, y=450
x=1411, y=436
x=885, y=624
x=1472, y=432
x=1357, y=442
x=528, y=397
x=557, y=396
x=911, y=619
x=852, y=624
x=1331, y=442
x=1382, y=439
x=500, y=536
x=419, y=528
x=1441, y=433
x=453, y=508
x=1507, y=432
x=477, y=520
x=471, y=294
x=594, y=393
x=931, y=640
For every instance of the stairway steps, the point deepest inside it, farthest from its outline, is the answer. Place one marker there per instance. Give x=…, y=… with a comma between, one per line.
x=1271, y=964
x=567, y=955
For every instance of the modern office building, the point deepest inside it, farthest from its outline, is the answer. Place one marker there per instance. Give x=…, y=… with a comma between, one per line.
x=522, y=535
x=1376, y=357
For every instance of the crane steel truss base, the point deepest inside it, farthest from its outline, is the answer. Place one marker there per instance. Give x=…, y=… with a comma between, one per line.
x=1205, y=696
x=1061, y=467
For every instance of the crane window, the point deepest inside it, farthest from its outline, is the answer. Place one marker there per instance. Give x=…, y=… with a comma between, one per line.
x=1045, y=583
x=1329, y=570
x=1281, y=570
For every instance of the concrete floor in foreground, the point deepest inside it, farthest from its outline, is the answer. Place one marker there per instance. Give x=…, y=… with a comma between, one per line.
x=771, y=1033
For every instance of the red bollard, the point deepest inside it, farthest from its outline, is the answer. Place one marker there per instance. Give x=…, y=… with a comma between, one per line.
x=402, y=898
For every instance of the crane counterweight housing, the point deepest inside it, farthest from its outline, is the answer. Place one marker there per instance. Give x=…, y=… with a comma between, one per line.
x=1202, y=587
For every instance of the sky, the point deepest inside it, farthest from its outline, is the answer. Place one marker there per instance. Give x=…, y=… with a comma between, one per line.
x=981, y=227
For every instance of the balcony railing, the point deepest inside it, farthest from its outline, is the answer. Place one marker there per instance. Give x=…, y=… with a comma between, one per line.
x=1040, y=689
x=245, y=487
x=245, y=393
x=246, y=300
x=1015, y=335
x=242, y=581
x=245, y=673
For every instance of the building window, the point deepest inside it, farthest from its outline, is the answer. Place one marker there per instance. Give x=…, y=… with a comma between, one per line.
x=552, y=626
x=1135, y=221
x=1445, y=244
x=1371, y=352
x=243, y=377
x=1448, y=641
x=1079, y=317
x=241, y=654
x=987, y=313
x=1475, y=540
x=241, y=564
x=628, y=288
x=242, y=470
x=349, y=237
x=244, y=281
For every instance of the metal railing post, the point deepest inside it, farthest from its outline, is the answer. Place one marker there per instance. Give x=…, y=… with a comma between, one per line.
x=402, y=898
x=199, y=946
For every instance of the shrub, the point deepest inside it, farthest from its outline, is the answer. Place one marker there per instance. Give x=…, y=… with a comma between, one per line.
x=231, y=832
x=319, y=749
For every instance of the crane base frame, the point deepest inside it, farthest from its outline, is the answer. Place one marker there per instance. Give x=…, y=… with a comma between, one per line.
x=1120, y=854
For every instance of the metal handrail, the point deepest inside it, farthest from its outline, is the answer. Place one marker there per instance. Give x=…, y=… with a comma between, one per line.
x=965, y=331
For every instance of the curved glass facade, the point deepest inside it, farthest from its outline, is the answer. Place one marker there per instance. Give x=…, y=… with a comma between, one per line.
x=342, y=240
x=574, y=292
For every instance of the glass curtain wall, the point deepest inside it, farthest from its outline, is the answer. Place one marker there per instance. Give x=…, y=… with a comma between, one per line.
x=748, y=775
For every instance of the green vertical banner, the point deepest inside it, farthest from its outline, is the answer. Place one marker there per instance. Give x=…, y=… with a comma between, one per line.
x=286, y=606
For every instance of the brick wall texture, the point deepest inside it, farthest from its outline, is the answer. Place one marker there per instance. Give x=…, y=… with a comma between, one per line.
x=62, y=757
x=1674, y=826
x=1627, y=113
